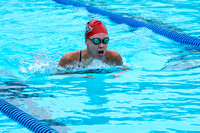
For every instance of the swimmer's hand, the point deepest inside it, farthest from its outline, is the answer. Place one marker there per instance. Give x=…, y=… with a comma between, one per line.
x=116, y=75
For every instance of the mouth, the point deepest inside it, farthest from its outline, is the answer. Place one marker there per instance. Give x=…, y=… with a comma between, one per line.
x=101, y=53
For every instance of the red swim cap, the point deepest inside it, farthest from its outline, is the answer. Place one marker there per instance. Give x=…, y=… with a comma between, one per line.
x=94, y=27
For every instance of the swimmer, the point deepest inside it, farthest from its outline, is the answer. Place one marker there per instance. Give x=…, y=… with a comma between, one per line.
x=96, y=40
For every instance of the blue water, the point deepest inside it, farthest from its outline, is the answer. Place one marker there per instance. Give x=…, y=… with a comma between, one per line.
x=36, y=34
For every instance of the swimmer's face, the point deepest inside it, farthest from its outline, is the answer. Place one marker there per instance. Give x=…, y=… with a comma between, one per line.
x=97, y=51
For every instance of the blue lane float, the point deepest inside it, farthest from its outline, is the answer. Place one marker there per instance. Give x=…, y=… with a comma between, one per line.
x=178, y=37
x=24, y=119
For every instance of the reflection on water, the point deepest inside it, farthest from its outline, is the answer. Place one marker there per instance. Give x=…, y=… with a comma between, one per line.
x=187, y=60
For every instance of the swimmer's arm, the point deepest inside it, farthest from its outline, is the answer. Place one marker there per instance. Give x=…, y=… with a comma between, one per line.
x=75, y=75
x=116, y=75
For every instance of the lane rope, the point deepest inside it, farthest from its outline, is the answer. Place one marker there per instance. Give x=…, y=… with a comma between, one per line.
x=24, y=119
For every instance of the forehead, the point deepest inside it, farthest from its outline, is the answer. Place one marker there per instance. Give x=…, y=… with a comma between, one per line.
x=99, y=35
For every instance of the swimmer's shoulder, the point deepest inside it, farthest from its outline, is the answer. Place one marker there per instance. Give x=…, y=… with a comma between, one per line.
x=114, y=56
x=69, y=58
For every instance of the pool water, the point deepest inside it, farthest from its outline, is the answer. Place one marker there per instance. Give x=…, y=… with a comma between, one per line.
x=159, y=94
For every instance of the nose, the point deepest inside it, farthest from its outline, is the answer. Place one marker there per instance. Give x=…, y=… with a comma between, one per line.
x=101, y=45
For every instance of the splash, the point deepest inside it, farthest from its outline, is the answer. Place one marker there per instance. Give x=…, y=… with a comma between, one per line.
x=95, y=66
x=44, y=67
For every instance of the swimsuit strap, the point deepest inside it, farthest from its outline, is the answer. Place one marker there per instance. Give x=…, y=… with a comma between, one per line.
x=80, y=55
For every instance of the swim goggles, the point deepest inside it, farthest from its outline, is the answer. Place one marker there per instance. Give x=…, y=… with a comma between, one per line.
x=97, y=41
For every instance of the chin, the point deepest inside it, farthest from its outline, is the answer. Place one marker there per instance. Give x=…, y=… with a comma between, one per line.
x=101, y=57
